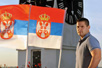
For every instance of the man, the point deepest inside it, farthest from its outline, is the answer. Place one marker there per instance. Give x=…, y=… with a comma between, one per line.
x=88, y=51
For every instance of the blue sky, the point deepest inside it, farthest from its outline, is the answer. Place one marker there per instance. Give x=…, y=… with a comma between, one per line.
x=92, y=11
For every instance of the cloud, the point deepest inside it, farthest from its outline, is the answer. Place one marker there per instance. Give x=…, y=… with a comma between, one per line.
x=7, y=2
x=1, y=3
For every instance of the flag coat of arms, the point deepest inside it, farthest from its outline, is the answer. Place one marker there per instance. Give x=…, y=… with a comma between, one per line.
x=46, y=27
x=13, y=26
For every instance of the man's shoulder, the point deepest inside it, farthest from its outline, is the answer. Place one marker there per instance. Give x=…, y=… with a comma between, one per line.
x=92, y=39
x=93, y=42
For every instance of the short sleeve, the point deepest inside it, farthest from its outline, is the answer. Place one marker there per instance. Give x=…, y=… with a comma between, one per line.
x=93, y=43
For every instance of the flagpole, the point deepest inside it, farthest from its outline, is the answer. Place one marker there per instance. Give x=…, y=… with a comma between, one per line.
x=60, y=54
x=27, y=38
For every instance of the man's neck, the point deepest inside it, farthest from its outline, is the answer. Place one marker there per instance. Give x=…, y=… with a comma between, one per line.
x=81, y=37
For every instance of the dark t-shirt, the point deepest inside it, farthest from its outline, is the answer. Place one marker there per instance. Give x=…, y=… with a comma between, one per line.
x=84, y=47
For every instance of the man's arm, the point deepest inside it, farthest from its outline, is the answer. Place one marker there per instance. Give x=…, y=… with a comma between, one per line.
x=96, y=57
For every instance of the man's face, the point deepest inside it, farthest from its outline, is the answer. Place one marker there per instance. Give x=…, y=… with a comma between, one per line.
x=82, y=28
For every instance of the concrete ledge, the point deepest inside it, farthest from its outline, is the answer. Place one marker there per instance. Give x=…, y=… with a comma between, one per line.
x=69, y=47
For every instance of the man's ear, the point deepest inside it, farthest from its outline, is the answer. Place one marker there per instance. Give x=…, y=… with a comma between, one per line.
x=88, y=27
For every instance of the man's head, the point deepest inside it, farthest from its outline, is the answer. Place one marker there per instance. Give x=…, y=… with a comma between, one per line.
x=82, y=27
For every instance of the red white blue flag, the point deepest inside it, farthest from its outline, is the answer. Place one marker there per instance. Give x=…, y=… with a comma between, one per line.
x=13, y=26
x=46, y=27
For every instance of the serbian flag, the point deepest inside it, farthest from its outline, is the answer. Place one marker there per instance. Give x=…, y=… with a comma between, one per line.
x=13, y=26
x=46, y=27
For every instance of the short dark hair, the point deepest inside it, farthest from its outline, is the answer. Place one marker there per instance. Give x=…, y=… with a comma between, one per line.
x=84, y=19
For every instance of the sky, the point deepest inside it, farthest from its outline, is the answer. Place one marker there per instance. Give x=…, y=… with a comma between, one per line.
x=92, y=11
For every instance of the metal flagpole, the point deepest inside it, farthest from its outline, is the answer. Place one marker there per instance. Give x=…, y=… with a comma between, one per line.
x=60, y=54
x=28, y=38
x=55, y=4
